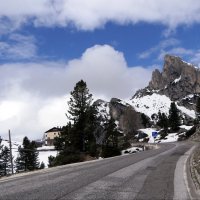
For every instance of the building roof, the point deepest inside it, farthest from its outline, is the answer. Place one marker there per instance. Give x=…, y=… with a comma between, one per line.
x=54, y=129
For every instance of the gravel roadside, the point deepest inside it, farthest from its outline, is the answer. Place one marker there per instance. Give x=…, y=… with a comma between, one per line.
x=194, y=164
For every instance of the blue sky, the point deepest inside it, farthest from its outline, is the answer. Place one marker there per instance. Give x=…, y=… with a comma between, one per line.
x=58, y=43
x=46, y=46
x=68, y=43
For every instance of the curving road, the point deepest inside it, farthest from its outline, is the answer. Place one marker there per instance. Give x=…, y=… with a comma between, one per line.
x=146, y=175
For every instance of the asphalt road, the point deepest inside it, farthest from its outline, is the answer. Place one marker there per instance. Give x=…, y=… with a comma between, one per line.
x=146, y=175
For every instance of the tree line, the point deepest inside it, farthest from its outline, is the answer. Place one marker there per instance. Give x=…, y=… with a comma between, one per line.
x=27, y=159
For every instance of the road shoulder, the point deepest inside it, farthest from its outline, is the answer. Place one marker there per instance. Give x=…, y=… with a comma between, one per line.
x=193, y=175
x=183, y=185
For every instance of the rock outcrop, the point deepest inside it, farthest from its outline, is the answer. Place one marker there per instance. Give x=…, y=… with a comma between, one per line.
x=125, y=116
x=129, y=121
x=179, y=80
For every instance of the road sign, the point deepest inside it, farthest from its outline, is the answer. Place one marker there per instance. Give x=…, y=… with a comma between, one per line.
x=154, y=134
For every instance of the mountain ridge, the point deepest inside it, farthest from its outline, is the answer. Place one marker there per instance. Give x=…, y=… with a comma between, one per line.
x=178, y=82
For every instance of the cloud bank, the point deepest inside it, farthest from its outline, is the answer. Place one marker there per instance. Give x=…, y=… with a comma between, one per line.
x=18, y=47
x=34, y=95
x=172, y=46
x=89, y=15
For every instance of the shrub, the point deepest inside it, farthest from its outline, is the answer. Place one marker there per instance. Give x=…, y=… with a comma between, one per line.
x=67, y=158
x=190, y=132
x=108, y=151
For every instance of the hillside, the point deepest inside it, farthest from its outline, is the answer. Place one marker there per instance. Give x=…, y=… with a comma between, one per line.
x=178, y=82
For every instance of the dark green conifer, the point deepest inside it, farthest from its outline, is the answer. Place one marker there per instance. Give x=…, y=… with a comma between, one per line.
x=5, y=164
x=28, y=156
x=198, y=109
x=174, y=118
x=79, y=105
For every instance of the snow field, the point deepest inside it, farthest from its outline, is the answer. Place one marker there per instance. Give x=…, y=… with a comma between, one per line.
x=151, y=104
x=171, y=137
x=44, y=152
x=43, y=156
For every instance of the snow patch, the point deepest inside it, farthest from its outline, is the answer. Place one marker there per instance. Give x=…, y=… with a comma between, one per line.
x=190, y=64
x=43, y=156
x=188, y=112
x=132, y=150
x=186, y=127
x=190, y=96
x=171, y=137
x=44, y=148
x=103, y=110
x=151, y=104
x=177, y=80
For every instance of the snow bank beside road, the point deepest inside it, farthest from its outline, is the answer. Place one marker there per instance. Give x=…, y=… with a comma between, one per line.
x=43, y=156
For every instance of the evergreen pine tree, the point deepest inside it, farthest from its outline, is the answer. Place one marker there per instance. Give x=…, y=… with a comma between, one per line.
x=78, y=135
x=28, y=156
x=51, y=160
x=145, y=120
x=1, y=160
x=33, y=157
x=42, y=165
x=162, y=121
x=79, y=105
x=174, y=118
x=111, y=137
x=91, y=127
x=64, y=141
x=198, y=109
x=159, y=122
x=5, y=161
x=165, y=122
x=110, y=143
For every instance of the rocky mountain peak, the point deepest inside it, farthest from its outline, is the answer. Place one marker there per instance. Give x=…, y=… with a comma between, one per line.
x=175, y=70
x=177, y=80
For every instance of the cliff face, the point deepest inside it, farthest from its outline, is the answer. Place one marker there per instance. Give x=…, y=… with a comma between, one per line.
x=128, y=119
x=178, y=81
x=125, y=116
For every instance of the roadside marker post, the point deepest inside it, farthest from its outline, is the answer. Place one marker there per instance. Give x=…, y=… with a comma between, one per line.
x=11, y=158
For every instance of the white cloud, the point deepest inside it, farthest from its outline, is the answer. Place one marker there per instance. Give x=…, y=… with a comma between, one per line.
x=88, y=15
x=177, y=51
x=196, y=58
x=40, y=90
x=171, y=42
x=18, y=47
x=171, y=46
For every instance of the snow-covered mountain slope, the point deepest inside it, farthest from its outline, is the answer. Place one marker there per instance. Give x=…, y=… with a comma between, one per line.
x=103, y=110
x=151, y=104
